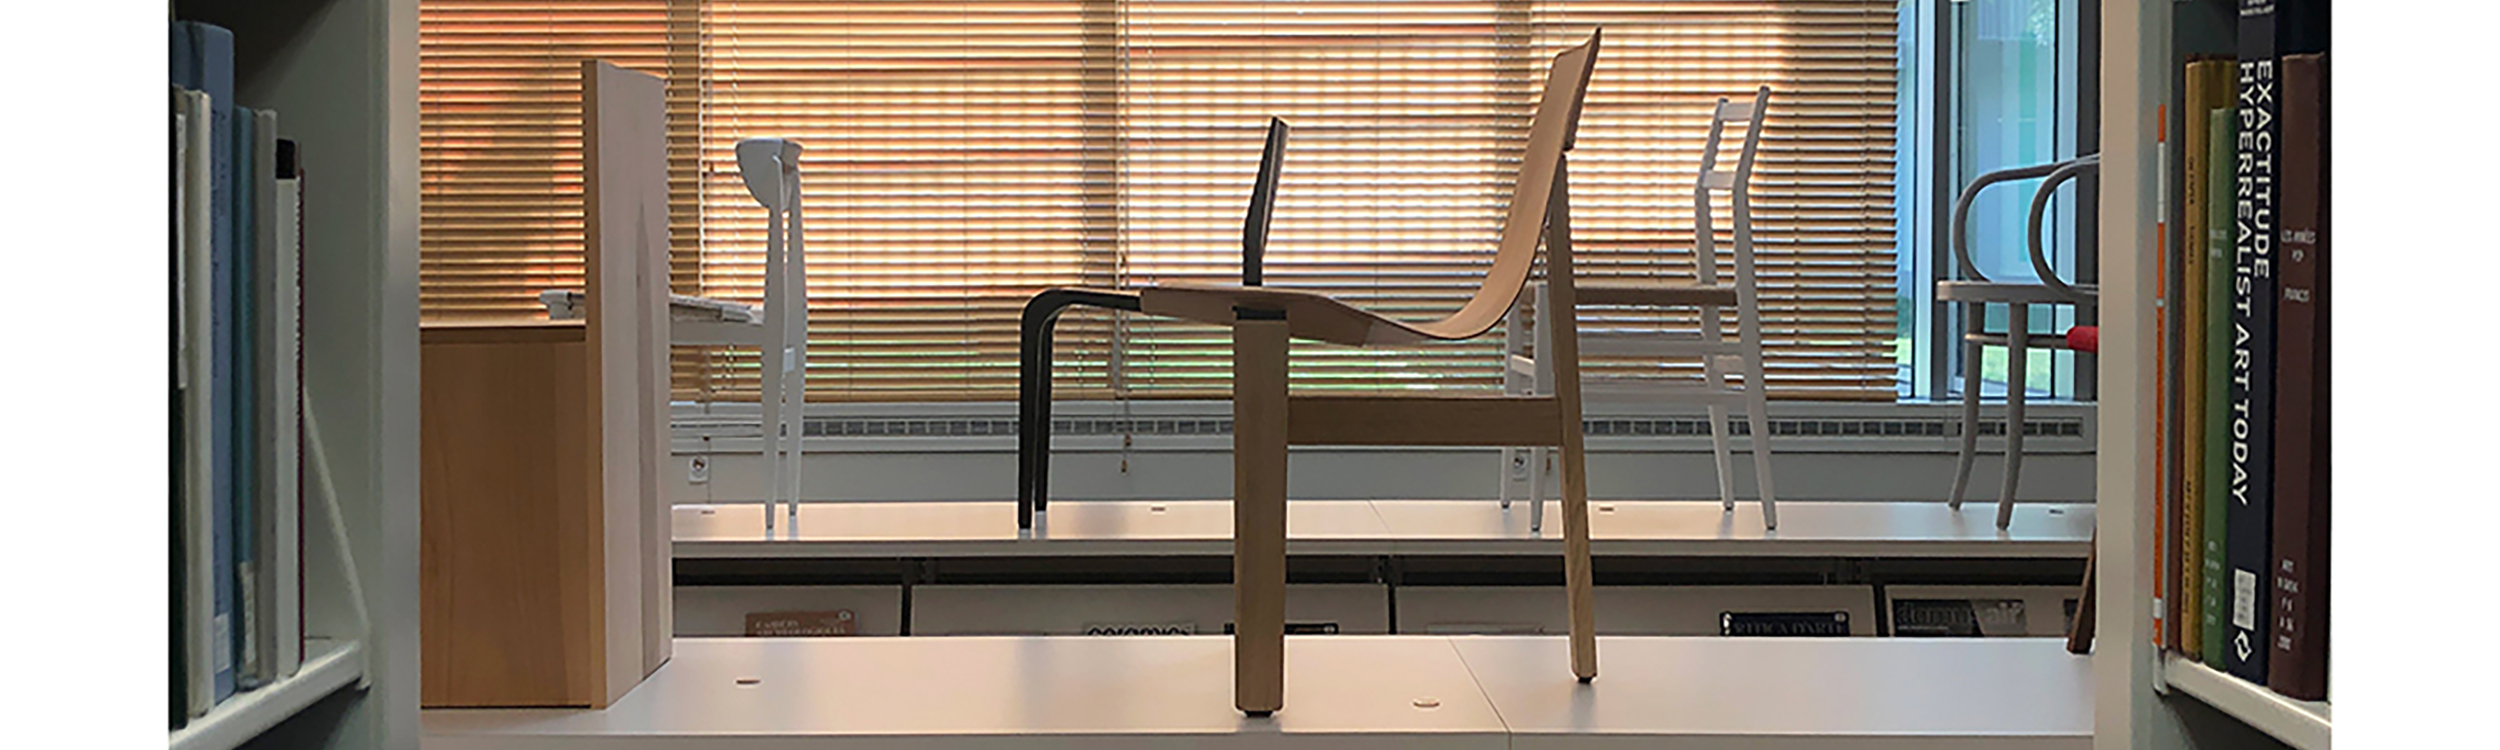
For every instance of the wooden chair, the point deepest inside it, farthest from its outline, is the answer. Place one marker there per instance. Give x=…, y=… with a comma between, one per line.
x=1975, y=291
x=1530, y=371
x=1267, y=418
x=1042, y=314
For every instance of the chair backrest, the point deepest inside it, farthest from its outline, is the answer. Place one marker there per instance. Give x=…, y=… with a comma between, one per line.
x=1736, y=182
x=770, y=169
x=1549, y=135
x=1262, y=204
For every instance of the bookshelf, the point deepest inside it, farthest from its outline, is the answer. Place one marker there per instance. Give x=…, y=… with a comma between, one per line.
x=2144, y=698
x=342, y=75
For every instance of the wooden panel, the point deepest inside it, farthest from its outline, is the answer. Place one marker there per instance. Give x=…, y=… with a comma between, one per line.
x=625, y=261
x=505, y=558
x=1260, y=424
x=1422, y=420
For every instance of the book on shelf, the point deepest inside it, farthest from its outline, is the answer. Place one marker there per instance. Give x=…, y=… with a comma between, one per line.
x=202, y=60
x=2207, y=87
x=2268, y=29
x=249, y=583
x=2297, y=660
x=177, y=670
x=272, y=420
x=2165, y=630
x=202, y=644
x=285, y=270
x=2213, y=520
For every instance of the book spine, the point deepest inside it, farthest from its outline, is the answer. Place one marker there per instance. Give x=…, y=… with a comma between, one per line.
x=2251, y=491
x=248, y=584
x=2191, y=364
x=285, y=427
x=213, y=52
x=2301, y=402
x=2165, y=630
x=2213, y=519
x=271, y=334
x=178, y=670
x=199, y=471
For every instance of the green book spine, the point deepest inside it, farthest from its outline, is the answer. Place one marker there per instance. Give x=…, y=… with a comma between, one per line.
x=2220, y=240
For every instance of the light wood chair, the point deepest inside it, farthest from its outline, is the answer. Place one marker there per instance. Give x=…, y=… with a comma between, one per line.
x=1529, y=371
x=1267, y=417
x=1975, y=292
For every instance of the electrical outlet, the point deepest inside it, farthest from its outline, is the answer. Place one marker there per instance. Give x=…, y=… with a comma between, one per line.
x=699, y=470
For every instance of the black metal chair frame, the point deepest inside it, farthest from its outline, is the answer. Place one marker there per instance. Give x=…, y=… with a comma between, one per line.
x=1041, y=315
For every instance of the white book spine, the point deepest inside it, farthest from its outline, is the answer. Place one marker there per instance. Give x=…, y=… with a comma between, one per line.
x=199, y=598
x=286, y=435
x=275, y=425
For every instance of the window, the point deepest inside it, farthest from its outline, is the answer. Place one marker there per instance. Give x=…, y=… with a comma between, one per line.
x=2010, y=94
x=961, y=155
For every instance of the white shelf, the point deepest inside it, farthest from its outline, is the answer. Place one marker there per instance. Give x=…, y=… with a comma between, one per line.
x=328, y=666
x=2302, y=724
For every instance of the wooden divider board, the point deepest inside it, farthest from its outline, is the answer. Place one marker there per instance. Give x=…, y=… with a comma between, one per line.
x=625, y=272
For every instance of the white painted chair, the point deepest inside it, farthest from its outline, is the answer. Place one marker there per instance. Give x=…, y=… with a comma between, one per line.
x=770, y=168
x=1525, y=470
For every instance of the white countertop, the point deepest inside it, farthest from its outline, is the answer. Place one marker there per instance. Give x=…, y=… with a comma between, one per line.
x=1341, y=691
x=1379, y=527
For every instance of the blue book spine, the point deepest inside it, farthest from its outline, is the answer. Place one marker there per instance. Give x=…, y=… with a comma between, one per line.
x=246, y=383
x=211, y=66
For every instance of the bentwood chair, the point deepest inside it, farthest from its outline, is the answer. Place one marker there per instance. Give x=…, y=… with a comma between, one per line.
x=1975, y=291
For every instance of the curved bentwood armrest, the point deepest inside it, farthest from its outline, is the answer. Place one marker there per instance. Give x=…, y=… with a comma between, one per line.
x=1041, y=316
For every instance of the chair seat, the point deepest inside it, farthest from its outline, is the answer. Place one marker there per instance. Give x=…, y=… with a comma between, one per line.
x=1654, y=293
x=1310, y=315
x=2003, y=292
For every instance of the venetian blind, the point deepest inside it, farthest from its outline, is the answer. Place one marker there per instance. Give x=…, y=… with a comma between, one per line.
x=962, y=155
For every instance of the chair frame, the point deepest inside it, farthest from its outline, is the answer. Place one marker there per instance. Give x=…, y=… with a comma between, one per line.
x=1529, y=371
x=1267, y=417
x=1975, y=291
x=770, y=169
x=1041, y=316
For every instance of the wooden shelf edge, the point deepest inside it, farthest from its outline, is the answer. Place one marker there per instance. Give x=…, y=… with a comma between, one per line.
x=328, y=666
x=2302, y=724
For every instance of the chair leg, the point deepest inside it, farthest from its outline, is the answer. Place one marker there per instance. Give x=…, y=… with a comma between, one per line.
x=1259, y=464
x=2018, y=337
x=1758, y=417
x=1719, y=451
x=773, y=432
x=1540, y=459
x=1971, y=353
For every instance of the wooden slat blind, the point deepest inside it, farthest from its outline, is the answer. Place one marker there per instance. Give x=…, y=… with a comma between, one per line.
x=963, y=154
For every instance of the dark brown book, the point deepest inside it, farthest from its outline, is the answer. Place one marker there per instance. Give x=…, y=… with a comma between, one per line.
x=2298, y=659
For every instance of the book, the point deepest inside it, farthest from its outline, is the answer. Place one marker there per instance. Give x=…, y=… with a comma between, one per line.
x=2297, y=661
x=205, y=64
x=2268, y=29
x=286, y=426
x=244, y=384
x=2208, y=85
x=2166, y=352
x=273, y=416
x=202, y=643
x=176, y=664
x=2213, y=521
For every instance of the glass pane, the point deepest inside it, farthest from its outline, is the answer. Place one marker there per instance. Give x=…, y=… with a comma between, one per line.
x=2008, y=111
